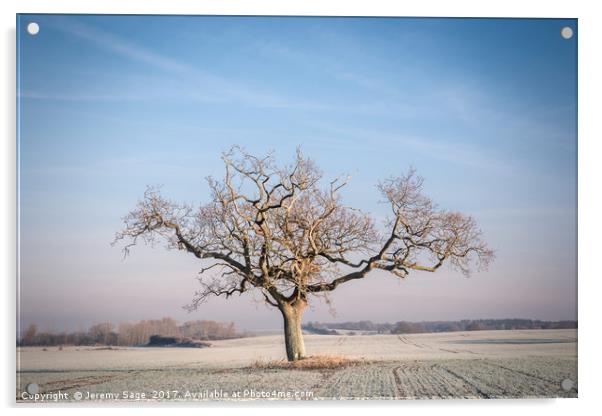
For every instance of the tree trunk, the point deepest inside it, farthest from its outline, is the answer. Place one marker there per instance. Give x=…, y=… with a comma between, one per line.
x=293, y=337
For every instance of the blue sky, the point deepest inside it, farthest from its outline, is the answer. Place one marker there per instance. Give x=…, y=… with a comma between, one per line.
x=484, y=109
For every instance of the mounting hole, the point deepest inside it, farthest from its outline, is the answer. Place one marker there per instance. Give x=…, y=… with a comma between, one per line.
x=567, y=384
x=32, y=388
x=33, y=28
x=566, y=32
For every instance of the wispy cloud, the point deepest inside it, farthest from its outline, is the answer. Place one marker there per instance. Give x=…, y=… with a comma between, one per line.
x=121, y=46
x=568, y=211
x=195, y=83
x=330, y=67
x=449, y=150
x=191, y=82
x=186, y=81
x=78, y=97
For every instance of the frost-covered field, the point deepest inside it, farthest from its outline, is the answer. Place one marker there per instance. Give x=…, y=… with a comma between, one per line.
x=479, y=364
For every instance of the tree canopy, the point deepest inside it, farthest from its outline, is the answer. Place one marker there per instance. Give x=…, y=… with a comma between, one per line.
x=280, y=231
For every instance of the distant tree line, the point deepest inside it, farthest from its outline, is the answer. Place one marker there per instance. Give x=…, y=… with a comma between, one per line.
x=130, y=334
x=403, y=327
x=329, y=328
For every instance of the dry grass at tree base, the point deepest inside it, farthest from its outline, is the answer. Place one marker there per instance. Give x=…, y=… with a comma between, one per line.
x=315, y=362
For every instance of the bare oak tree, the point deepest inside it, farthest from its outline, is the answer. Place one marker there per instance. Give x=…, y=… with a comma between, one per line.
x=282, y=232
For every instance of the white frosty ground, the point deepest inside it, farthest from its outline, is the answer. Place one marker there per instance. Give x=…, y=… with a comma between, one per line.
x=458, y=364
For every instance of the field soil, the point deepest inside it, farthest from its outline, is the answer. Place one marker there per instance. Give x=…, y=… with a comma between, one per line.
x=477, y=364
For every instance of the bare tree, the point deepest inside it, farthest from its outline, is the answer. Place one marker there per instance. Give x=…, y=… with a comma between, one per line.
x=102, y=333
x=280, y=232
x=30, y=335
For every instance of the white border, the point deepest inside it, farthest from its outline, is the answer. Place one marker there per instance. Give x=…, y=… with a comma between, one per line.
x=590, y=207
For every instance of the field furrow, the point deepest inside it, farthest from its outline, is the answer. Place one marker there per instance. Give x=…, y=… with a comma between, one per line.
x=502, y=364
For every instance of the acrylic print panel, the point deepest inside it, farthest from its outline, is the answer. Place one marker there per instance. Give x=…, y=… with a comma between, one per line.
x=296, y=208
